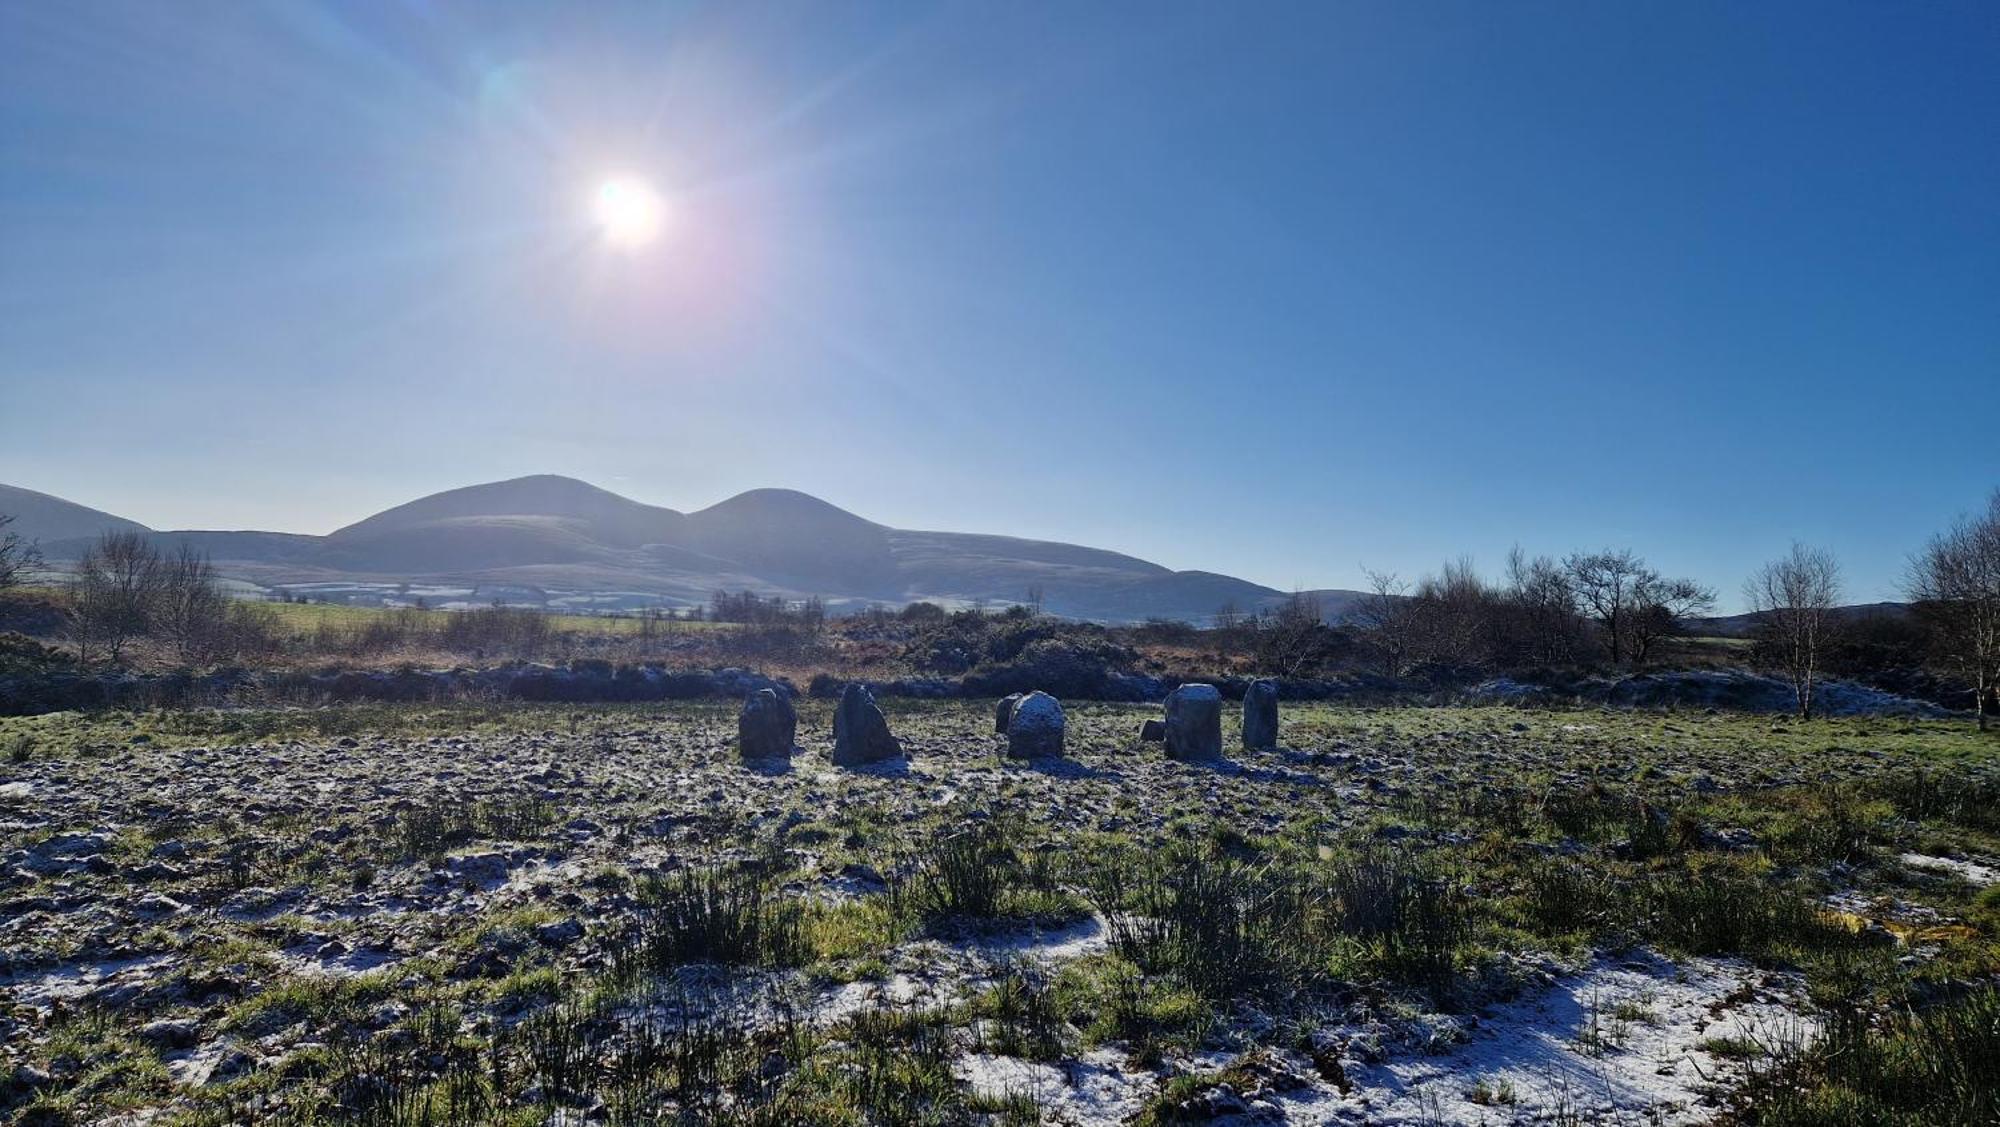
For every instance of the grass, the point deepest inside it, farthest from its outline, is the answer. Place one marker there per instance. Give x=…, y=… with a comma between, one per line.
x=305, y=619
x=1307, y=888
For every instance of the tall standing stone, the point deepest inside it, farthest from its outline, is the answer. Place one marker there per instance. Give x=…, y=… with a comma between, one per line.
x=1194, y=723
x=1004, y=711
x=1036, y=727
x=860, y=731
x=1260, y=715
x=768, y=726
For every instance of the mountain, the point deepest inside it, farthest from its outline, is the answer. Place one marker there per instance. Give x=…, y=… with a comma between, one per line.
x=38, y=516
x=564, y=543
x=1744, y=625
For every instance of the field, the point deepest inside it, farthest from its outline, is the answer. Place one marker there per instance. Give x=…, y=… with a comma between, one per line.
x=558, y=914
x=302, y=619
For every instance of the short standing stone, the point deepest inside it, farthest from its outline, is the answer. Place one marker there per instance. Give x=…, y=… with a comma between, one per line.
x=1004, y=711
x=1194, y=723
x=860, y=731
x=1260, y=715
x=1153, y=731
x=1036, y=727
x=768, y=727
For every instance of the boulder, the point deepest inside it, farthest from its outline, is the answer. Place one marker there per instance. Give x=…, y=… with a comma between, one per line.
x=1260, y=715
x=1194, y=723
x=1153, y=731
x=768, y=726
x=860, y=731
x=1036, y=727
x=1004, y=711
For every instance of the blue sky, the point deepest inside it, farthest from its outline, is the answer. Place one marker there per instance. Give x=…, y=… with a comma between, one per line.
x=1274, y=290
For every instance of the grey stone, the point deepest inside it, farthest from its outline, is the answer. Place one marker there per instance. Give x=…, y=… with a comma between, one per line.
x=561, y=933
x=1260, y=715
x=1153, y=731
x=1194, y=723
x=768, y=726
x=860, y=731
x=1004, y=711
x=170, y=1033
x=1036, y=727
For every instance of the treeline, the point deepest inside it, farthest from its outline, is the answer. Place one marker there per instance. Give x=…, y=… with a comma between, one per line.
x=1587, y=608
x=125, y=590
x=750, y=608
x=1610, y=608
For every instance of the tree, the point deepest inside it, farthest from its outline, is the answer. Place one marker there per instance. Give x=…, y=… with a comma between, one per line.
x=1292, y=640
x=1542, y=625
x=1386, y=617
x=115, y=593
x=1450, y=618
x=1793, y=600
x=192, y=612
x=1955, y=584
x=1633, y=605
x=1228, y=616
x=17, y=556
x=1662, y=608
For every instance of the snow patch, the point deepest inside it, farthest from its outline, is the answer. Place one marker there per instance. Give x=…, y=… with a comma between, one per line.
x=1970, y=871
x=1626, y=1041
x=1095, y=1088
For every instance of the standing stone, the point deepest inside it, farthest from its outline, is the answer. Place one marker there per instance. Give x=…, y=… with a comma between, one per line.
x=1260, y=715
x=860, y=731
x=1194, y=723
x=1153, y=731
x=1036, y=727
x=1004, y=711
x=768, y=726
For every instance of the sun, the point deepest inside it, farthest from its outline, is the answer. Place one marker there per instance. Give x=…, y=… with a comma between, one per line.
x=629, y=212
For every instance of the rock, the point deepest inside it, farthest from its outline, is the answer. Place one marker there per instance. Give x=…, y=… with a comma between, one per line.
x=860, y=731
x=1153, y=731
x=768, y=726
x=1036, y=727
x=483, y=870
x=1004, y=712
x=1260, y=715
x=1194, y=723
x=28, y=1078
x=562, y=933
x=157, y=904
x=170, y=1033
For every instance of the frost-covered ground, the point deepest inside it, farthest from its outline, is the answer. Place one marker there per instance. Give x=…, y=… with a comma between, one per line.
x=218, y=913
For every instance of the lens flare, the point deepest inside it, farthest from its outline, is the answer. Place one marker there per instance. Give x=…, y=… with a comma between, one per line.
x=630, y=213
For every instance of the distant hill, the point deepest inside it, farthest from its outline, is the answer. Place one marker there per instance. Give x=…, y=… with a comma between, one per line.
x=562, y=542
x=1743, y=625
x=39, y=516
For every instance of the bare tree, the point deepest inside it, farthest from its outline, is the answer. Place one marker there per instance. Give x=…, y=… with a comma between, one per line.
x=17, y=556
x=1228, y=616
x=1037, y=599
x=192, y=612
x=1633, y=605
x=1387, y=620
x=1955, y=584
x=1662, y=608
x=1543, y=623
x=1793, y=600
x=1453, y=616
x=115, y=593
x=1292, y=639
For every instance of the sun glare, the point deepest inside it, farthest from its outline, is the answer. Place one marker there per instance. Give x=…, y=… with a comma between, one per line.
x=629, y=212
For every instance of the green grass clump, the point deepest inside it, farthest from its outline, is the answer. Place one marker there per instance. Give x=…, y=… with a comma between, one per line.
x=1939, y=1065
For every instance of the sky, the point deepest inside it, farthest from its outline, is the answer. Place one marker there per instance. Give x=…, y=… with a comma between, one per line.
x=1282, y=291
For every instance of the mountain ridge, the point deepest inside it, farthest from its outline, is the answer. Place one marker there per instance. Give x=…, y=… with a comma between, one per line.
x=565, y=542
